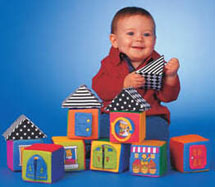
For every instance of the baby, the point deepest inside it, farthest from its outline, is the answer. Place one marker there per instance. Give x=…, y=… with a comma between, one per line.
x=133, y=39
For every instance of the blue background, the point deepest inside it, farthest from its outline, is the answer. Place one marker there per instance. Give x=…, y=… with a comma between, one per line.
x=48, y=48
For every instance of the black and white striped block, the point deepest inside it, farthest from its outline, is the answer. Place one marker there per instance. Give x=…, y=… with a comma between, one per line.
x=81, y=98
x=153, y=74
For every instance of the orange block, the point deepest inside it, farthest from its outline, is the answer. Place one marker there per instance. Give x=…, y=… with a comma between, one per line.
x=77, y=126
x=190, y=153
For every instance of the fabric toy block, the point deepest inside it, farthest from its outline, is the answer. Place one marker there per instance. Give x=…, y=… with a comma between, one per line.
x=190, y=153
x=148, y=158
x=153, y=74
x=83, y=124
x=127, y=127
x=83, y=114
x=14, y=152
x=128, y=100
x=82, y=98
x=43, y=163
x=22, y=132
x=74, y=153
x=110, y=157
x=127, y=117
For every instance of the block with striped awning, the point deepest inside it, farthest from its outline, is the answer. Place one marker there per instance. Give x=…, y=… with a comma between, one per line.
x=148, y=158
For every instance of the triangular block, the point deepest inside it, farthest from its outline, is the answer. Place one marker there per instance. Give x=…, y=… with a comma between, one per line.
x=82, y=98
x=23, y=129
x=128, y=100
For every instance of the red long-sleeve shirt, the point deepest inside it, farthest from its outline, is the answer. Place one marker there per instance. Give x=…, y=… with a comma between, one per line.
x=108, y=83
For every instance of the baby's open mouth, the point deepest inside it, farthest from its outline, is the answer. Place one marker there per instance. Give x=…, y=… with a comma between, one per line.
x=137, y=47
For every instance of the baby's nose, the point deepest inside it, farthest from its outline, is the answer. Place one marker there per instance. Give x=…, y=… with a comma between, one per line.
x=139, y=37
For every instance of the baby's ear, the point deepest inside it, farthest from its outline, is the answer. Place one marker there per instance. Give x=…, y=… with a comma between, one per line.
x=113, y=40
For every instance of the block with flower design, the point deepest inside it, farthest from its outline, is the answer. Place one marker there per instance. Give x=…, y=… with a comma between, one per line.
x=148, y=158
x=190, y=153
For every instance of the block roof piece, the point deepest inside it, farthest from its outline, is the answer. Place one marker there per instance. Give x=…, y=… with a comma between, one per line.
x=82, y=98
x=23, y=129
x=154, y=67
x=128, y=100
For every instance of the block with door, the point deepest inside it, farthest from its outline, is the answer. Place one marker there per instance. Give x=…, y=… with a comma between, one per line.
x=43, y=163
x=83, y=114
x=190, y=153
x=74, y=153
x=148, y=158
x=107, y=156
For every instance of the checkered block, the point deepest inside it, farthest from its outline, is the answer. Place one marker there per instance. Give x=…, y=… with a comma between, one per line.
x=190, y=153
x=153, y=74
x=148, y=158
x=43, y=163
x=107, y=156
x=153, y=81
x=74, y=155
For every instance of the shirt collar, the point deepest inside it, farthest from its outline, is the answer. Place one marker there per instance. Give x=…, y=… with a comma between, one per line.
x=118, y=57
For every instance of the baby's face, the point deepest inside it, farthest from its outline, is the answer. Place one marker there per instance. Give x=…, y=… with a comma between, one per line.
x=134, y=36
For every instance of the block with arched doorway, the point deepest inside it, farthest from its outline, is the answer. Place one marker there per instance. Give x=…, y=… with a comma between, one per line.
x=107, y=156
x=43, y=163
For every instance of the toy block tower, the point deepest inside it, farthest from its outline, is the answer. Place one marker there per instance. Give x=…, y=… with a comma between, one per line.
x=107, y=156
x=127, y=117
x=153, y=74
x=43, y=163
x=190, y=153
x=83, y=115
x=22, y=133
x=74, y=153
x=148, y=158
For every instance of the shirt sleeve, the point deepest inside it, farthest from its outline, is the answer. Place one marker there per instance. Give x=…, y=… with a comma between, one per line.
x=106, y=83
x=169, y=93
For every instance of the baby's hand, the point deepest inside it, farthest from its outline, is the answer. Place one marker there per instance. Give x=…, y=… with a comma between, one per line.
x=172, y=67
x=133, y=80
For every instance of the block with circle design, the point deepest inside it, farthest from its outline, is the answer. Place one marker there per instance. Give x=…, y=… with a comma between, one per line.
x=190, y=153
x=22, y=133
x=43, y=163
x=148, y=158
x=127, y=117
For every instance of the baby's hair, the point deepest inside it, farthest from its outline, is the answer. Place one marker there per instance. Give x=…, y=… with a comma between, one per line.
x=129, y=11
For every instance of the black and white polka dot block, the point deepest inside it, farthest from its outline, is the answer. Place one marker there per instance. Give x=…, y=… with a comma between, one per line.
x=153, y=74
x=23, y=129
x=128, y=100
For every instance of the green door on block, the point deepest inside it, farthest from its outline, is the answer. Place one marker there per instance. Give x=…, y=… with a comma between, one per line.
x=98, y=157
x=110, y=157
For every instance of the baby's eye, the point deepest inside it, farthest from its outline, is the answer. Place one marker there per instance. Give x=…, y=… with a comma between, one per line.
x=130, y=33
x=147, y=34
